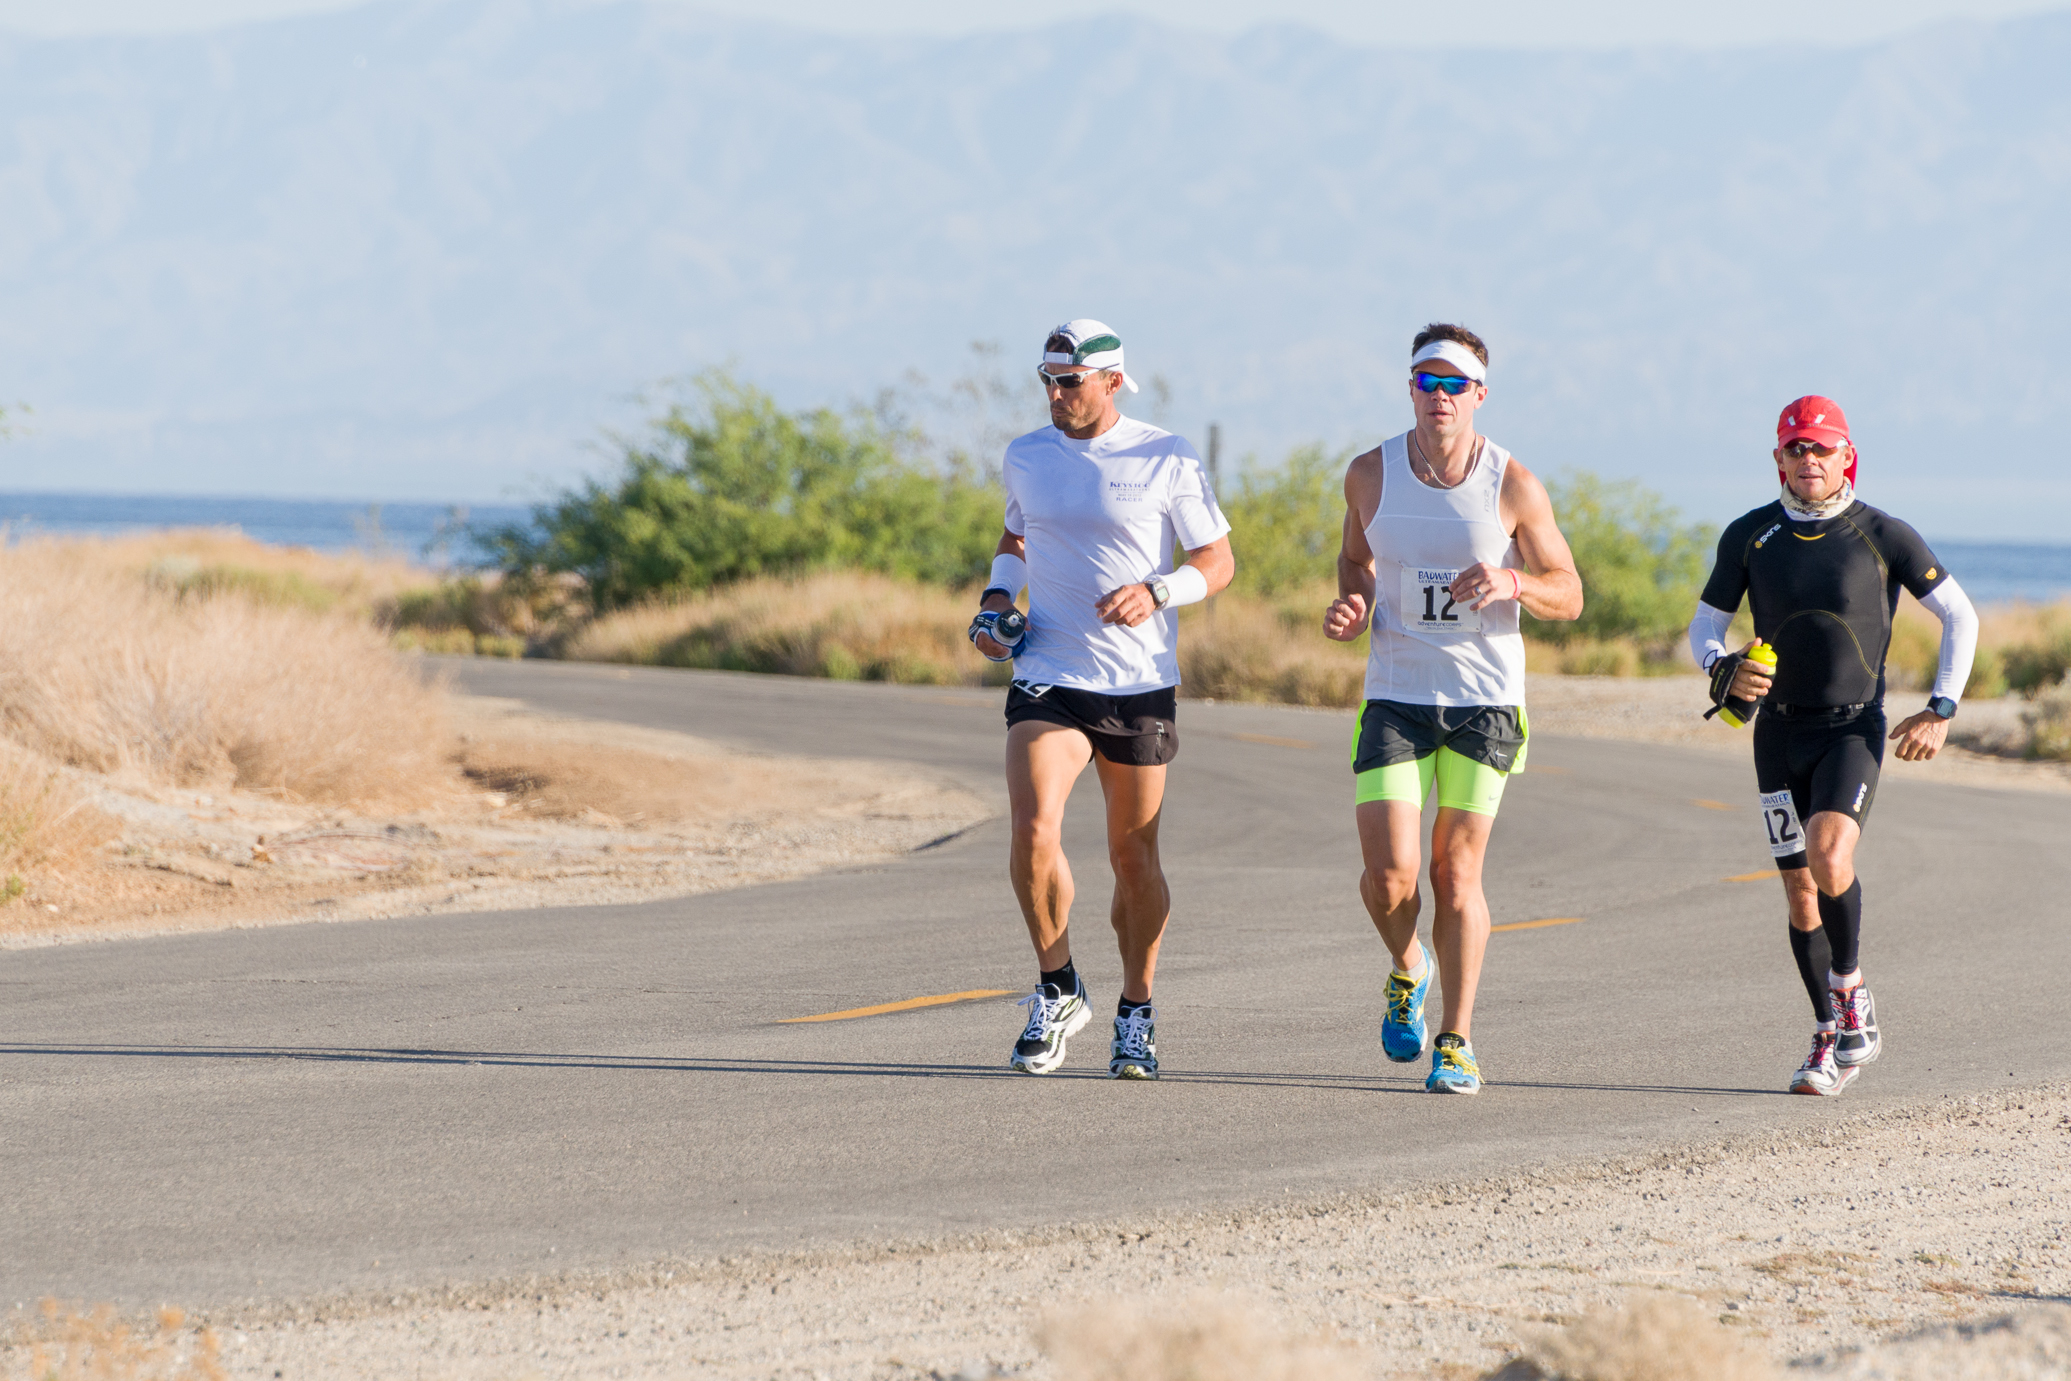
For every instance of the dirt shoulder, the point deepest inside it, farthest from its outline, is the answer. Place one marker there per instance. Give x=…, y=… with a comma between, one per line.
x=1807, y=1246
x=555, y=813
x=1984, y=739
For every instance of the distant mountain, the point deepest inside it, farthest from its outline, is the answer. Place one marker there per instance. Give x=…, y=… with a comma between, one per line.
x=426, y=248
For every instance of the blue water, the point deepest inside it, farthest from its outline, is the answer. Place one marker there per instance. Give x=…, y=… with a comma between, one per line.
x=416, y=531
x=1994, y=572
x=1991, y=572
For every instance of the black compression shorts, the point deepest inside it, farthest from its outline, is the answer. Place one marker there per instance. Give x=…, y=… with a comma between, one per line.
x=1129, y=730
x=1809, y=762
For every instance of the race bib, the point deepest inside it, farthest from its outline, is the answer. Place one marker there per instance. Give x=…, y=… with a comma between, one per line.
x=1427, y=604
x=1780, y=819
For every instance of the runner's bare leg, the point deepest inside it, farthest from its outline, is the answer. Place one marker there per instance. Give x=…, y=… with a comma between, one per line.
x=1043, y=760
x=1143, y=901
x=1390, y=845
x=1460, y=919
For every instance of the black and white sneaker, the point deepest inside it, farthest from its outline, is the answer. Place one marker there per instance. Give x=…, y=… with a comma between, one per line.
x=1134, y=1053
x=1051, y=1022
x=1821, y=1075
x=1856, y=1041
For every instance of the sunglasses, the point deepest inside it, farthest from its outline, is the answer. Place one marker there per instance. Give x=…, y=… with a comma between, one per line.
x=1798, y=450
x=1452, y=385
x=1064, y=380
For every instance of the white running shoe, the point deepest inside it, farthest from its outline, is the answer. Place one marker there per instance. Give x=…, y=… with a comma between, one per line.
x=1822, y=1074
x=1134, y=1053
x=1856, y=1041
x=1051, y=1022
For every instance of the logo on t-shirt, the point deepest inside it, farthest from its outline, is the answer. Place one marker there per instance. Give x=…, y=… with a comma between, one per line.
x=1129, y=490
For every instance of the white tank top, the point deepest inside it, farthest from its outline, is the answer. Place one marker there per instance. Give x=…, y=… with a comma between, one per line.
x=1426, y=650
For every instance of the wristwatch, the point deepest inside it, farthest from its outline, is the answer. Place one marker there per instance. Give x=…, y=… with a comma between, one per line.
x=1942, y=706
x=1161, y=593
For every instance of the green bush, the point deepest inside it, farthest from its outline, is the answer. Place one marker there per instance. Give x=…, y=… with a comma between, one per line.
x=283, y=589
x=2033, y=667
x=1285, y=524
x=1641, y=566
x=729, y=486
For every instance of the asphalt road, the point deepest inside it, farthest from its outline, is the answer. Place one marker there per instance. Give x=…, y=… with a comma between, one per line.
x=268, y=1113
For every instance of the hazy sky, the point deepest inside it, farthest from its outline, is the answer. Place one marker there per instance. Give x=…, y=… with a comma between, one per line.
x=1519, y=23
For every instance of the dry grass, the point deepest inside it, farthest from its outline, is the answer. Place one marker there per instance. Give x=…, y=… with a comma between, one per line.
x=66, y=1344
x=1243, y=647
x=215, y=560
x=1657, y=1338
x=1199, y=1340
x=849, y=626
x=47, y=820
x=116, y=670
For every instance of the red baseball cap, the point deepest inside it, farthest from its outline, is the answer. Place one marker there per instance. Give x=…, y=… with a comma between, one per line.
x=1813, y=418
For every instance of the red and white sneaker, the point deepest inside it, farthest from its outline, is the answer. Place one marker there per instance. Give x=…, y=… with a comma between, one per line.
x=1822, y=1074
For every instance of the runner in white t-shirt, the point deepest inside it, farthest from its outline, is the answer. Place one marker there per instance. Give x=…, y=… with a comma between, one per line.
x=1095, y=503
x=1446, y=537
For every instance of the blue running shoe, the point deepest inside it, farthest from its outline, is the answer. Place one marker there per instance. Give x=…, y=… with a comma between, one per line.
x=1402, y=1025
x=1453, y=1069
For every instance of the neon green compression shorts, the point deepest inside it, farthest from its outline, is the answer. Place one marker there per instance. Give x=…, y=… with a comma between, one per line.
x=1400, y=752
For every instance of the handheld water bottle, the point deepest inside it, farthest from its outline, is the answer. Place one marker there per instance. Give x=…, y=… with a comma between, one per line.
x=1738, y=712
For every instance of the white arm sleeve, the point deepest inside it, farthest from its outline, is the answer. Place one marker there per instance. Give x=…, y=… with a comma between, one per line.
x=1188, y=586
x=1009, y=573
x=1948, y=603
x=1708, y=633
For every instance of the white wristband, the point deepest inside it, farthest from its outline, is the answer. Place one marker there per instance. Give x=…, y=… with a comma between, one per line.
x=1009, y=573
x=1188, y=586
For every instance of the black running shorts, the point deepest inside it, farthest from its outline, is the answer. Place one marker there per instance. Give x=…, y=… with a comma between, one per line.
x=1809, y=762
x=1391, y=731
x=1129, y=730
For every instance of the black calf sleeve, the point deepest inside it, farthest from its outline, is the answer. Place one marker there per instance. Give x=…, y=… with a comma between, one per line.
x=1810, y=949
x=1841, y=918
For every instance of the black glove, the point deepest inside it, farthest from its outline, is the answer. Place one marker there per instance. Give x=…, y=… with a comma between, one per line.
x=1722, y=672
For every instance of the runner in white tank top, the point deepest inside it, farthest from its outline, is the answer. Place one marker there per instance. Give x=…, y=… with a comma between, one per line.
x=1446, y=536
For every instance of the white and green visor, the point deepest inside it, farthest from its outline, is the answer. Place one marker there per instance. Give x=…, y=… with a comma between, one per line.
x=1089, y=344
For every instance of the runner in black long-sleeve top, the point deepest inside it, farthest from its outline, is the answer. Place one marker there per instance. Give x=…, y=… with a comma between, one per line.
x=1821, y=571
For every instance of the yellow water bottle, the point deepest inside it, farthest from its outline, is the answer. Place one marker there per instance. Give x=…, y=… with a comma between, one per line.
x=1738, y=712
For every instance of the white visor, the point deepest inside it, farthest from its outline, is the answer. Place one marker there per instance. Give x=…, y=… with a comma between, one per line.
x=1083, y=332
x=1454, y=354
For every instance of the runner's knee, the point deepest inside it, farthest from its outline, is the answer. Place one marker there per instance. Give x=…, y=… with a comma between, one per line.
x=1038, y=833
x=1454, y=878
x=1392, y=886
x=1134, y=859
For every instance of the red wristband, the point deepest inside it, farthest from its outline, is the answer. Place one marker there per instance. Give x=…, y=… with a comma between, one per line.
x=1518, y=581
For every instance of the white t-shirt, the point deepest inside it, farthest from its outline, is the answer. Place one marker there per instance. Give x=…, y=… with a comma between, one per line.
x=1099, y=515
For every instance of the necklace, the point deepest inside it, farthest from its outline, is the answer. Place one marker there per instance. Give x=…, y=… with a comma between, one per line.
x=1431, y=470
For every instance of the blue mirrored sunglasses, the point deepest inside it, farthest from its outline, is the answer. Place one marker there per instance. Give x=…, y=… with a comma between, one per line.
x=1452, y=384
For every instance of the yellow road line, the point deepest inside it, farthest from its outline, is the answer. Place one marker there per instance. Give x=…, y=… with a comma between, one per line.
x=1273, y=742
x=1534, y=925
x=1711, y=805
x=1751, y=877
x=908, y=1005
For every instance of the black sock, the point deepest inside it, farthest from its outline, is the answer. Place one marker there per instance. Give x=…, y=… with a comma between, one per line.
x=1060, y=982
x=1814, y=956
x=1130, y=1004
x=1841, y=918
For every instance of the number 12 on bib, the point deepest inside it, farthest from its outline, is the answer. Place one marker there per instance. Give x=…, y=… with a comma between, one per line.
x=1427, y=602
